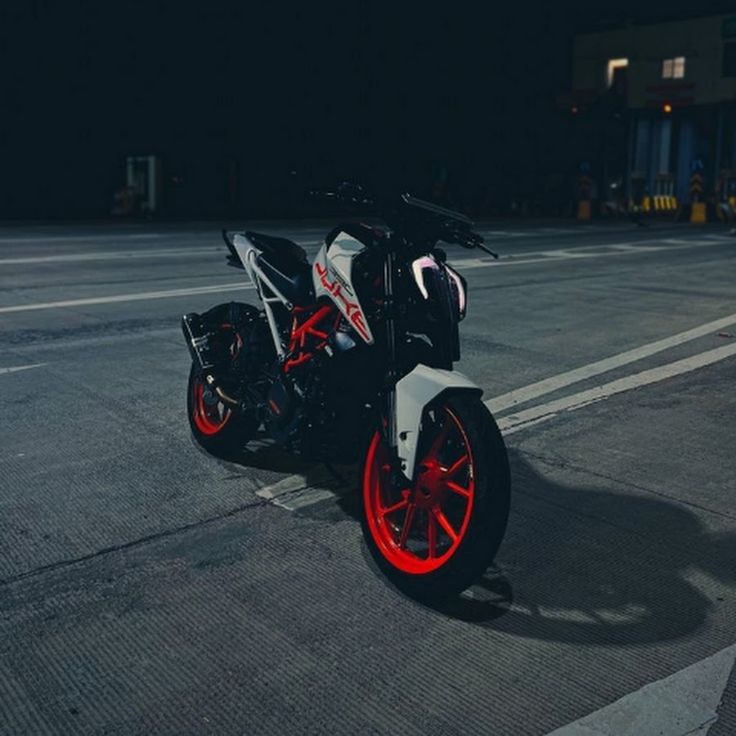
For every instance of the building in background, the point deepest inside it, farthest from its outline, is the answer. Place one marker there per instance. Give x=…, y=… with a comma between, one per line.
x=656, y=109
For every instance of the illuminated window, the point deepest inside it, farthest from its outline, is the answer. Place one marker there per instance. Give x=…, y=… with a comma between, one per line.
x=614, y=64
x=673, y=68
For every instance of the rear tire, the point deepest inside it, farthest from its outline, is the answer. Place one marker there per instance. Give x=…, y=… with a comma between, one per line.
x=436, y=538
x=218, y=427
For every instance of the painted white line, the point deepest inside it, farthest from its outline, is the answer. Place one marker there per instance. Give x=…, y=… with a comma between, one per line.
x=521, y=259
x=292, y=492
x=553, y=383
x=214, y=250
x=113, y=256
x=556, y=230
x=308, y=497
x=16, y=368
x=81, y=238
x=683, y=703
x=295, y=491
x=581, y=253
x=544, y=412
x=140, y=296
x=504, y=233
x=284, y=487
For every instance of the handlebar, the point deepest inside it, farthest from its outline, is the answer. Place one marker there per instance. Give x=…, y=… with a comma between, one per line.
x=412, y=217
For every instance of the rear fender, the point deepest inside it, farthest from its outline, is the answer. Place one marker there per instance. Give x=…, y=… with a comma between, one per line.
x=414, y=392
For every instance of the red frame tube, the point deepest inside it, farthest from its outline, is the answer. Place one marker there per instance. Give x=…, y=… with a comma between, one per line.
x=308, y=328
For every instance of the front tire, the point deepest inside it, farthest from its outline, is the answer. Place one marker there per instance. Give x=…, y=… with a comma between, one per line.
x=436, y=537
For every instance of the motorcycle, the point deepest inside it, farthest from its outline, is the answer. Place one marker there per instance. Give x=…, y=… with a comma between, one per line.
x=350, y=359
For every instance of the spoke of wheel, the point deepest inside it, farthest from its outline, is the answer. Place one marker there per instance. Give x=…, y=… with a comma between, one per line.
x=396, y=507
x=444, y=523
x=464, y=492
x=431, y=536
x=456, y=466
x=440, y=439
x=408, y=520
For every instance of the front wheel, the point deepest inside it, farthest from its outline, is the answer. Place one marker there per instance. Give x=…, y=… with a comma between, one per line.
x=436, y=536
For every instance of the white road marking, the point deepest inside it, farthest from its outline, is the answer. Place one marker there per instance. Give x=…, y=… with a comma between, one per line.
x=284, y=493
x=543, y=412
x=113, y=256
x=556, y=230
x=583, y=252
x=553, y=383
x=81, y=238
x=214, y=250
x=16, y=368
x=683, y=703
x=138, y=296
x=295, y=491
x=520, y=259
x=503, y=233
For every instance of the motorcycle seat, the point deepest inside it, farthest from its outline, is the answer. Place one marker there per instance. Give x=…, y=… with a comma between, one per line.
x=296, y=286
x=283, y=254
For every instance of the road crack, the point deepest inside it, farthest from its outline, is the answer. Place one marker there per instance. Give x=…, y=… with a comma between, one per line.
x=70, y=562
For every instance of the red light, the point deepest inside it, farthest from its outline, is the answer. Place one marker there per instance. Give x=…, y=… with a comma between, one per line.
x=574, y=110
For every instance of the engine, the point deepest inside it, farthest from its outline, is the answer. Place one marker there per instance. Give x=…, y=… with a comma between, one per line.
x=320, y=392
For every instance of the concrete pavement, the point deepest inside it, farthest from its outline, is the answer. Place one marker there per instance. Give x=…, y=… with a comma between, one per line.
x=148, y=588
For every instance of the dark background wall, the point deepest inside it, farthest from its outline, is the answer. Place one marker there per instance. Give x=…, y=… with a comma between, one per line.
x=248, y=104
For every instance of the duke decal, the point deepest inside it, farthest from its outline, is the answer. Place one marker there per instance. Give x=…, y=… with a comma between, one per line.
x=352, y=310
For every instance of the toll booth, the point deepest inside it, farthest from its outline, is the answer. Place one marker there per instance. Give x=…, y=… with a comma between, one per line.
x=143, y=180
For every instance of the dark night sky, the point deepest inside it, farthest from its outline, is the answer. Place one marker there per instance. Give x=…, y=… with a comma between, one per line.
x=362, y=90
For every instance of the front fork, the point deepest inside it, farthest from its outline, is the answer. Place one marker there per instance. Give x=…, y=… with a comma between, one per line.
x=407, y=396
x=392, y=373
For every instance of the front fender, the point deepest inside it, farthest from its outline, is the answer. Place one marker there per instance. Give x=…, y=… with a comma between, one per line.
x=413, y=393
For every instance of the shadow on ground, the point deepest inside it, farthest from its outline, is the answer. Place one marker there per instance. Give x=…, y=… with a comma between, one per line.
x=596, y=566
x=579, y=564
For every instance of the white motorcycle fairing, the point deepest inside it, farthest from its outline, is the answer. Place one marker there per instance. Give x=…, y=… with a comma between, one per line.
x=333, y=277
x=248, y=254
x=413, y=393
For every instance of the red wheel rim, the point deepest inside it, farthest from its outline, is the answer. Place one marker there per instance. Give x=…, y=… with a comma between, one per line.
x=419, y=528
x=209, y=413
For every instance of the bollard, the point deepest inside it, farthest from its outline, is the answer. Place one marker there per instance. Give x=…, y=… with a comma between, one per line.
x=697, y=213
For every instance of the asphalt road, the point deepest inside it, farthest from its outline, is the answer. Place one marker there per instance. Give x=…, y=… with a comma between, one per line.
x=146, y=588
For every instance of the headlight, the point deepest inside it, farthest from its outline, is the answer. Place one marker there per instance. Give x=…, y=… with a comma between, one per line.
x=428, y=272
x=417, y=268
x=459, y=290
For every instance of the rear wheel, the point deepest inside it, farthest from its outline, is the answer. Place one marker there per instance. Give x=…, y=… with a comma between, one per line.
x=436, y=536
x=217, y=425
